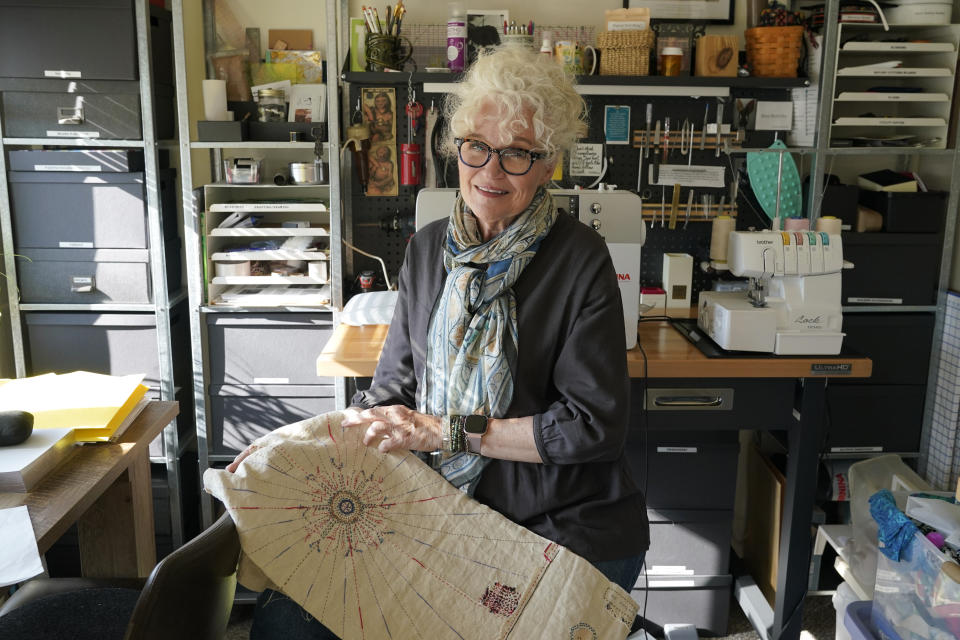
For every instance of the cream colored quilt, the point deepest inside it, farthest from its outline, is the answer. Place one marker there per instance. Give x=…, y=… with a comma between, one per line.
x=380, y=546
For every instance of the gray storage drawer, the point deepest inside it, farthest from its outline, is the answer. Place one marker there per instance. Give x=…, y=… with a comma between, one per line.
x=110, y=343
x=78, y=210
x=874, y=417
x=242, y=413
x=703, y=601
x=83, y=160
x=84, y=275
x=687, y=469
x=89, y=39
x=688, y=542
x=267, y=348
x=727, y=403
x=38, y=114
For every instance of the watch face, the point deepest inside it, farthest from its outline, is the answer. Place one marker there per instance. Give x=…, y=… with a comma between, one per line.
x=476, y=425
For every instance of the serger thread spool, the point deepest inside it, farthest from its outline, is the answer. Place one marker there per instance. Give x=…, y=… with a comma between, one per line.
x=720, y=236
x=796, y=224
x=215, y=99
x=830, y=224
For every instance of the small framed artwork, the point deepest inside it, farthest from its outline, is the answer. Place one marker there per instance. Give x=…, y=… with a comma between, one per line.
x=488, y=18
x=307, y=103
x=709, y=11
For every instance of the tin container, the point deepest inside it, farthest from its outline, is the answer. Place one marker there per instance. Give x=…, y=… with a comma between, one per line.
x=307, y=173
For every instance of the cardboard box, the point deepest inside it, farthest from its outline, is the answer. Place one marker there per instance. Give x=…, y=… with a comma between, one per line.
x=292, y=38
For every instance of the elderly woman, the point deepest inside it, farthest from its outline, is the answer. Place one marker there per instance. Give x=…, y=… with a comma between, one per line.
x=506, y=353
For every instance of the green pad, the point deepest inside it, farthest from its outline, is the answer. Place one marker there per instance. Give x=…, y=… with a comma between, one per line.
x=762, y=170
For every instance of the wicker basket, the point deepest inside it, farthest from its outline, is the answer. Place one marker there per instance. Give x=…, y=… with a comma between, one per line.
x=625, y=53
x=774, y=52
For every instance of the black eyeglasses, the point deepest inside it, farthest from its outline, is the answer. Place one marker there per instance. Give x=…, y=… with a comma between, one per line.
x=476, y=154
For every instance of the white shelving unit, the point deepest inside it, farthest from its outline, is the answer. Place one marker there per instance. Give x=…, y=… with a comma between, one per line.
x=207, y=244
x=295, y=247
x=894, y=83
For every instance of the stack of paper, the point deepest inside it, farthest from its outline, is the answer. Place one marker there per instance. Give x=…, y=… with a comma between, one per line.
x=25, y=464
x=95, y=406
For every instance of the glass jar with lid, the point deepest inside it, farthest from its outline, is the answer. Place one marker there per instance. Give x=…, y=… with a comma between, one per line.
x=272, y=105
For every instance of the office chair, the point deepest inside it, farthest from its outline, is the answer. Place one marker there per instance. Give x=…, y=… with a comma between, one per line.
x=189, y=594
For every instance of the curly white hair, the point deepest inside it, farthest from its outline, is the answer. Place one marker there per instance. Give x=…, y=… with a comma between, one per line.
x=520, y=84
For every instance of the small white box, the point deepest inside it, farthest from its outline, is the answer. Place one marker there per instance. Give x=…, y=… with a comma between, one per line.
x=677, y=279
x=653, y=302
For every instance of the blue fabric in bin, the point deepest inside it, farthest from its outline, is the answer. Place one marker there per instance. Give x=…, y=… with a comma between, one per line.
x=894, y=529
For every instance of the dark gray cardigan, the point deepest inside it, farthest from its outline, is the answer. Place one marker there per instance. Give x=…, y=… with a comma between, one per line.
x=571, y=377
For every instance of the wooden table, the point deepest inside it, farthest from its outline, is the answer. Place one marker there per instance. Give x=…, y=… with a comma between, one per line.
x=668, y=355
x=105, y=489
x=354, y=352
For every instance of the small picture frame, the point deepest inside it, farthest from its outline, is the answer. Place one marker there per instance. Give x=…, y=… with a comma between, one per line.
x=488, y=18
x=308, y=103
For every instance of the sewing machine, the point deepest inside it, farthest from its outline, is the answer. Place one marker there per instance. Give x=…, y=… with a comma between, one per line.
x=615, y=215
x=792, y=304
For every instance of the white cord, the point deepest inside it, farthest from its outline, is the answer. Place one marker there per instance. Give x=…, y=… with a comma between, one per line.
x=386, y=278
x=883, y=18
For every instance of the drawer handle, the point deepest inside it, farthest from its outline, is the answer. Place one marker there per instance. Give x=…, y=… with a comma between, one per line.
x=69, y=115
x=688, y=401
x=82, y=284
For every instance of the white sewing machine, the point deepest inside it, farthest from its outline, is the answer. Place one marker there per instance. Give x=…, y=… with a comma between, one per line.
x=792, y=305
x=615, y=215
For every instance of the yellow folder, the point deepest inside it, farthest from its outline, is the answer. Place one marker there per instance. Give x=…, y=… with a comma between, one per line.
x=94, y=405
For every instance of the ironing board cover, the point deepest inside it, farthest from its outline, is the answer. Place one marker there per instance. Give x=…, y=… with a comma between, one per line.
x=380, y=546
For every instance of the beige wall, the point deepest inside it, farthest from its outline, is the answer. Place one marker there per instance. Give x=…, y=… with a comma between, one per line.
x=285, y=14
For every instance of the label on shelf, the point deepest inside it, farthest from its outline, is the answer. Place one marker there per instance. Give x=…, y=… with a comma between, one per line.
x=60, y=73
x=917, y=47
x=75, y=245
x=73, y=134
x=875, y=300
x=878, y=96
x=271, y=381
x=890, y=122
x=225, y=207
x=856, y=449
x=896, y=72
x=676, y=449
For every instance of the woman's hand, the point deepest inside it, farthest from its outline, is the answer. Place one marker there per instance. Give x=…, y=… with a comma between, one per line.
x=396, y=427
x=232, y=467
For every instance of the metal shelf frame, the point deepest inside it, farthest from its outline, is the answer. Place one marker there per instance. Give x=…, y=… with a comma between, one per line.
x=336, y=13
x=161, y=305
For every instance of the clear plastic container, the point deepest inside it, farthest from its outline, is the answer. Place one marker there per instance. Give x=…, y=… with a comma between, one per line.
x=241, y=171
x=917, y=598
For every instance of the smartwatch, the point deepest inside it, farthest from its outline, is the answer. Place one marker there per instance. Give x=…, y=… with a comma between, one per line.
x=473, y=428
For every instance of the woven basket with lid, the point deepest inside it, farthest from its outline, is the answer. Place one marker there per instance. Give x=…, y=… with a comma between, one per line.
x=774, y=52
x=625, y=53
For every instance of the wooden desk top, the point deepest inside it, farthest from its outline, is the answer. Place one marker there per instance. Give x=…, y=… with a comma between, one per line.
x=354, y=351
x=69, y=490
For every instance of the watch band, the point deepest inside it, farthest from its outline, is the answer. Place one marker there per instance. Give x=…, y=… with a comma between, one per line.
x=474, y=441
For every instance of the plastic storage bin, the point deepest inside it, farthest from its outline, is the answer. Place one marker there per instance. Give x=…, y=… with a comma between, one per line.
x=856, y=621
x=916, y=598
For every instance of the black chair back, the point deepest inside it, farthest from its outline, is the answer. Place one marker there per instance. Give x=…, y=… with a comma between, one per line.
x=190, y=593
